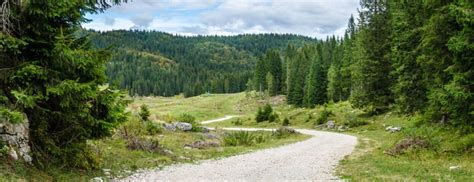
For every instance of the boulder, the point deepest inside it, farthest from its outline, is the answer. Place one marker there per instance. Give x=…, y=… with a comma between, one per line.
x=393, y=129
x=454, y=168
x=12, y=154
x=341, y=128
x=330, y=124
x=16, y=136
x=169, y=127
x=183, y=126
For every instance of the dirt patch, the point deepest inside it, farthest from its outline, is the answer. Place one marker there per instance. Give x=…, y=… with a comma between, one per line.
x=407, y=144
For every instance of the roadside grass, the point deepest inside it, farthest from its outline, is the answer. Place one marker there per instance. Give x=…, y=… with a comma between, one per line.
x=119, y=161
x=370, y=161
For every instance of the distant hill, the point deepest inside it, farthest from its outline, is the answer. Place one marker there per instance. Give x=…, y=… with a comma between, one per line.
x=158, y=63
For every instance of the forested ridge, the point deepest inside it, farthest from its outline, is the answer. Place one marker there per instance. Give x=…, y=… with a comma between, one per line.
x=415, y=57
x=158, y=63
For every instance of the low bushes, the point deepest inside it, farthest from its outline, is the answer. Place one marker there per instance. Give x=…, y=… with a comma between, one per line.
x=323, y=117
x=351, y=120
x=266, y=114
x=247, y=138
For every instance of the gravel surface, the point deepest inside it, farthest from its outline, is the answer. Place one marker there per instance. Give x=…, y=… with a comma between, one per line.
x=310, y=160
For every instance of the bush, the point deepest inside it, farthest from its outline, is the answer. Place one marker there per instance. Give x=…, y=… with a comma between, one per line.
x=284, y=132
x=261, y=137
x=239, y=138
x=265, y=114
x=3, y=149
x=273, y=117
x=286, y=122
x=323, y=117
x=144, y=144
x=351, y=120
x=152, y=128
x=187, y=118
x=237, y=122
x=144, y=112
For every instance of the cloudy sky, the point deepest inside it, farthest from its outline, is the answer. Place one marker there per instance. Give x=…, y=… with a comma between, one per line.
x=315, y=18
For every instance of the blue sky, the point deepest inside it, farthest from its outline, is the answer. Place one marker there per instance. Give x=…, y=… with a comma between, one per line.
x=315, y=18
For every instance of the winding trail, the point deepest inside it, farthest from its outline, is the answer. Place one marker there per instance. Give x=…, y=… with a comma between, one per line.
x=217, y=120
x=313, y=159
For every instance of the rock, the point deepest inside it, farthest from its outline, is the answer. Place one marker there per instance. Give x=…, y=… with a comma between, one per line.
x=183, y=126
x=454, y=168
x=12, y=154
x=330, y=124
x=187, y=147
x=183, y=158
x=169, y=152
x=169, y=127
x=97, y=179
x=393, y=129
x=212, y=136
x=202, y=144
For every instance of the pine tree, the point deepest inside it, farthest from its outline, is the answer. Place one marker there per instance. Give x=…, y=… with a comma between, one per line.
x=272, y=91
x=370, y=77
x=409, y=89
x=59, y=81
x=260, y=74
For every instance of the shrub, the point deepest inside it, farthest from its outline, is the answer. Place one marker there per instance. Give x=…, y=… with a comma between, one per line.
x=237, y=122
x=465, y=143
x=144, y=112
x=186, y=118
x=3, y=149
x=145, y=144
x=286, y=122
x=284, y=132
x=273, y=117
x=260, y=117
x=351, y=120
x=407, y=144
x=152, y=128
x=265, y=114
x=261, y=137
x=239, y=138
x=323, y=117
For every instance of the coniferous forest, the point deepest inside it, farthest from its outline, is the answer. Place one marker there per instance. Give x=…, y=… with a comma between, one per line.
x=416, y=57
x=156, y=63
x=70, y=87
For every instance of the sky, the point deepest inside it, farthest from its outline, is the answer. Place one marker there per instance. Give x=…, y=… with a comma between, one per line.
x=314, y=18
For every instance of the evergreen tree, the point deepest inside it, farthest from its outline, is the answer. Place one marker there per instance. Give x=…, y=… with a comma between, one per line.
x=52, y=75
x=271, y=84
x=370, y=75
x=260, y=74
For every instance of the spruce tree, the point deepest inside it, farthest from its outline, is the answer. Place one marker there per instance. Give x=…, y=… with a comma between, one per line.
x=371, y=78
x=52, y=75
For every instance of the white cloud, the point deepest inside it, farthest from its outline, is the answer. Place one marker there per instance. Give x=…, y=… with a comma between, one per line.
x=316, y=18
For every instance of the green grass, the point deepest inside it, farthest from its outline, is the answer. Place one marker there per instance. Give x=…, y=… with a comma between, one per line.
x=114, y=155
x=369, y=161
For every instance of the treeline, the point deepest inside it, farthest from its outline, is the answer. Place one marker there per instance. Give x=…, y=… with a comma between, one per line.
x=416, y=57
x=157, y=63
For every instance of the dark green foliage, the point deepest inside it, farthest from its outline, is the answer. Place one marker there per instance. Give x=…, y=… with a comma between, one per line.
x=371, y=81
x=286, y=122
x=144, y=112
x=152, y=128
x=316, y=81
x=157, y=63
x=323, y=116
x=351, y=120
x=265, y=114
x=297, y=75
x=50, y=73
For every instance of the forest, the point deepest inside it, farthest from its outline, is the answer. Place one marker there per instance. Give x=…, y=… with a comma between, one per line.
x=71, y=86
x=415, y=57
x=157, y=63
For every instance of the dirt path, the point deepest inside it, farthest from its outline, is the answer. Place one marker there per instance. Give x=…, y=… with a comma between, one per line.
x=217, y=120
x=312, y=159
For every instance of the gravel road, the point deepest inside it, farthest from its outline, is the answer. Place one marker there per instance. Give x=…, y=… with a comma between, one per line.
x=311, y=160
